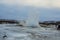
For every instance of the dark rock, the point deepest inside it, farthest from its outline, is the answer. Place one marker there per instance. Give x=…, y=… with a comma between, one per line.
x=4, y=36
x=58, y=28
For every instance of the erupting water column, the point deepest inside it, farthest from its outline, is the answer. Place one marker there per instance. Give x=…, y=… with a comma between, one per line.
x=33, y=19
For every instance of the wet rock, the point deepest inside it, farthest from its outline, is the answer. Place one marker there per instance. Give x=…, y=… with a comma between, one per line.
x=4, y=36
x=58, y=28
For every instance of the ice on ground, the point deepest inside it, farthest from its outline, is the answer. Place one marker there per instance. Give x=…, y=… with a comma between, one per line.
x=26, y=33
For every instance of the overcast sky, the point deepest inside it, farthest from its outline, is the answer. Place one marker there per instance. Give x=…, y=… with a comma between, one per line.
x=18, y=9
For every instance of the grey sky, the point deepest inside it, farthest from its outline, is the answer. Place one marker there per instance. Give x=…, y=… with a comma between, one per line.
x=14, y=10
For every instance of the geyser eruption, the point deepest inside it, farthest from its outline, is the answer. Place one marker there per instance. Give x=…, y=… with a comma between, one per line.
x=33, y=19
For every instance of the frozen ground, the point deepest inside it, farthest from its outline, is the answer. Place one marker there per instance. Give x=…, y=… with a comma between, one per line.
x=27, y=33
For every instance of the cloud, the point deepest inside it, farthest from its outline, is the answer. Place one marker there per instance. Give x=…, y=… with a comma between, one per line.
x=36, y=3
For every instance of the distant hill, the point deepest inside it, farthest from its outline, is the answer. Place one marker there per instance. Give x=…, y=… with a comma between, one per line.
x=8, y=21
x=50, y=22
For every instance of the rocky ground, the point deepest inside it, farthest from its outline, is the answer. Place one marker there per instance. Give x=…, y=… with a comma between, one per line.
x=12, y=32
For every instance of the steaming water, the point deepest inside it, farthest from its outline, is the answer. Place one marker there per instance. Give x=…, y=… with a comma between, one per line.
x=25, y=33
x=33, y=19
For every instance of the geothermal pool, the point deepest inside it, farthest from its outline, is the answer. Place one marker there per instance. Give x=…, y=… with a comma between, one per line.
x=13, y=32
